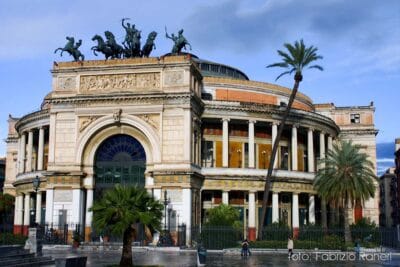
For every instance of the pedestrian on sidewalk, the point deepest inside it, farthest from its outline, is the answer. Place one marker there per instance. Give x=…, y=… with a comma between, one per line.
x=290, y=247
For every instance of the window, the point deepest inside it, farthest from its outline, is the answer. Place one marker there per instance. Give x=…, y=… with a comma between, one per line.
x=355, y=118
x=284, y=164
x=208, y=154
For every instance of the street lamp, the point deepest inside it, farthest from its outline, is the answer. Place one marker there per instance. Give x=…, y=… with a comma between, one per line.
x=169, y=216
x=167, y=202
x=36, y=186
x=36, y=183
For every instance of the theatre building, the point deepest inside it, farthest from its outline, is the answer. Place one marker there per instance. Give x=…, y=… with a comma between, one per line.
x=198, y=130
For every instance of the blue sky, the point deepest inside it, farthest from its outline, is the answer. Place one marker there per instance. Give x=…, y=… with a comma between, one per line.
x=359, y=39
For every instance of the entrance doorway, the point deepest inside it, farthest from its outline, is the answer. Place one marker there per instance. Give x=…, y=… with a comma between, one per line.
x=120, y=159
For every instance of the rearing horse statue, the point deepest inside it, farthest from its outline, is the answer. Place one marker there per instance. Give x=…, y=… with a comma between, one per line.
x=101, y=47
x=72, y=48
x=149, y=45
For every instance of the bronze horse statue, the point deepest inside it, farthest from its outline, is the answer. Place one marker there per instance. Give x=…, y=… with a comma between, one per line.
x=109, y=48
x=116, y=48
x=102, y=47
x=149, y=45
x=179, y=41
x=72, y=49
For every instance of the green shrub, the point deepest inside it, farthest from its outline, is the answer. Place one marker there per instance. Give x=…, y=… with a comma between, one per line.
x=365, y=232
x=268, y=244
x=331, y=242
x=277, y=231
x=311, y=232
x=220, y=237
x=11, y=239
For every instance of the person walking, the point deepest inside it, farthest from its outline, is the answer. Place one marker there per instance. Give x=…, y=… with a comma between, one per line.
x=290, y=247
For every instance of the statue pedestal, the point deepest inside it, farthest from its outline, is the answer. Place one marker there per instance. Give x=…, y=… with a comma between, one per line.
x=34, y=243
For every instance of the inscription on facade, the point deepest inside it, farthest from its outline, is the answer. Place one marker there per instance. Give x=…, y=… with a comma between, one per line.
x=175, y=195
x=62, y=195
x=119, y=82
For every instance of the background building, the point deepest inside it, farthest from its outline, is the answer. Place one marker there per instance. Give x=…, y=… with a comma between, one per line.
x=389, y=206
x=198, y=130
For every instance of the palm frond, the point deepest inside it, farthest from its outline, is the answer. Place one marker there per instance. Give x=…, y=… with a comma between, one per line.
x=297, y=58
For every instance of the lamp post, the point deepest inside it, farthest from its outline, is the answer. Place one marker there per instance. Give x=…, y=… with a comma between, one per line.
x=166, y=205
x=36, y=183
x=36, y=186
x=169, y=216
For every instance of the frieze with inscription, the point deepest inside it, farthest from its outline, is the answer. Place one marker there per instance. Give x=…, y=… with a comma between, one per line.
x=119, y=82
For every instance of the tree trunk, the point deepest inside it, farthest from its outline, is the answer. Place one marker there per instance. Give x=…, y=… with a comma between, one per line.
x=268, y=179
x=347, y=233
x=126, y=258
x=332, y=210
x=324, y=220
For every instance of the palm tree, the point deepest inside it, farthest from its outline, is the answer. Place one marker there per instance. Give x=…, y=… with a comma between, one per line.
x=123, y=207
x=298, y=58
x=347, y=176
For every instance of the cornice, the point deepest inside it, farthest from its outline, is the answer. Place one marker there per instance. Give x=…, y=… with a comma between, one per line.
x=32, y=117
x=311, y=119
x=119, y=97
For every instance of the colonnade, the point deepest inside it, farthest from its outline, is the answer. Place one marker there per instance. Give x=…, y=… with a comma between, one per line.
x=252, y=209
x=274, y=131
x=23, y=207
x=25, y=151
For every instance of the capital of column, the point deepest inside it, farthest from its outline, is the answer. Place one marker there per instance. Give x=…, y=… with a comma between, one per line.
x=251, y=121
x=296, y=125
x=225, y=119
x=276, y=123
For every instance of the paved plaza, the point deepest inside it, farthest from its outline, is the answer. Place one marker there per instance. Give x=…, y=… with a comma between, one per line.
x=188, y=258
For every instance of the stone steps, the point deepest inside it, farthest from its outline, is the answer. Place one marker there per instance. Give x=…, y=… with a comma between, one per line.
x=17, y=256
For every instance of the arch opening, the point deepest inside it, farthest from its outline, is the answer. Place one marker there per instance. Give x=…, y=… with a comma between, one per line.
x=120, y=159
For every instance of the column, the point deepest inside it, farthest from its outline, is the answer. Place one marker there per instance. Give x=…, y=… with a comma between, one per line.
x=252, y=217
x=18, y=214
x=295, y=214
x=38, y=207
x=275, y=207
x=187, y=212
x=322, y=147
x=49, y=205
x=225, y=197
x=27, y=211
x=29, y=150
x=311, y=209
x=273, y=135
x=157, y=193
x=310, y=150
x=251, y=144
x=330, y=145
x=225, y=142
x=76, y=206
x=40, y=149
x=294, y=148
x=22, y=151
x=89, y=214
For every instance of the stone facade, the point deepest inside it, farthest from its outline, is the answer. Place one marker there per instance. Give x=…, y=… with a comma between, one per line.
x=203, y=139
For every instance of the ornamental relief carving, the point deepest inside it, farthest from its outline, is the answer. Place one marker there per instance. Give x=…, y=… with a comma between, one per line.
x=66, y=83
x=152, y=119
x=85, y=121
x=119, y=82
